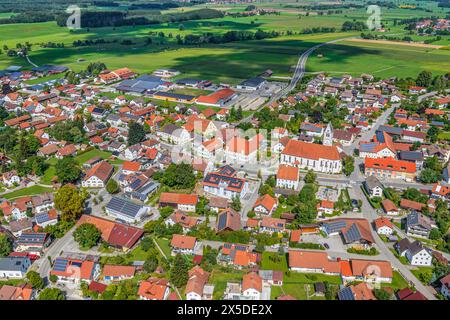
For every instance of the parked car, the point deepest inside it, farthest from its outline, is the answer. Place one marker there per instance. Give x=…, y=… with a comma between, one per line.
x=326, y=246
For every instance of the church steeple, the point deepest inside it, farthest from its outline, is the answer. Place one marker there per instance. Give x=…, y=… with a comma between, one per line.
x=328, y=135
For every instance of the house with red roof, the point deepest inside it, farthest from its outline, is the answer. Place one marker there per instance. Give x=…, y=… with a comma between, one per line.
x=98, y=175
x=112, y=273
x=241, y=150
x=265, y=204
x=180, y=201
x=154, y=289
x=390, y=168
x=271, y=225
x=197, y=287
x=130, y=167
x=383, y=226
x=183, y=244
x=19, y=292
x=115, y=234
x=324, y=207
x=237, y=255
x=71, y=271
x=287, y=177
x=389, y=207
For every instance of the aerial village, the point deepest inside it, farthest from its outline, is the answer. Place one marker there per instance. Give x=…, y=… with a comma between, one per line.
x=118, y=185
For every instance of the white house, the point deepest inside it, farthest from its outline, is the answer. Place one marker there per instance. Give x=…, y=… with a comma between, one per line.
x=417, y=255
x=287, y=177
x=445, y=286
x=384, y=226
x=14, y=267
x=98, y=176
x=10, y=178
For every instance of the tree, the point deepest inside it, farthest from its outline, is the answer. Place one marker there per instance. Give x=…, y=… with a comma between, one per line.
x=348, y=165
x=382, y=294
x=424, y=79
x=150, y=264
x=147, y=243
x=52, y=294
x=5, y=245
x=179, y=176
x=70, y=202
x=136, y=133
x=310, y=177
x=435, y=234
x=35, y=279
x=179, y=271
x=112, y=186
x=429, y=176
x=236, y=204
x=67, y=169
x=87, y=235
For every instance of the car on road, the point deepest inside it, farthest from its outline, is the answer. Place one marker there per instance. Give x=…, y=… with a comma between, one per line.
x=326, y=245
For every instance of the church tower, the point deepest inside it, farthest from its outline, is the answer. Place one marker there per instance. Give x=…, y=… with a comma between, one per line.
x=328, y=135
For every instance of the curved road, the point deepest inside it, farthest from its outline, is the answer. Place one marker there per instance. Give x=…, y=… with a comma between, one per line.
x=299, y=72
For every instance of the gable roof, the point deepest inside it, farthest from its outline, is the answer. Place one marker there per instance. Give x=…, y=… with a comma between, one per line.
x=311, y=150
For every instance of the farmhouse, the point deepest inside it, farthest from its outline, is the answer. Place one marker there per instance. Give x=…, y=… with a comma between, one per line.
x=183, y=202
x=98, y=176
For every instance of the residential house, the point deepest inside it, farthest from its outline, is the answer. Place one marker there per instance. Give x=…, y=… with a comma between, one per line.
x=98, y=176
x=19, y=292
x=287, y=177
x=197, y=287
x=228, y=220
x=113, y=273
x=72, y=271
x=154, y=289
x=14, y=267
x=373, y=187
x=265, y=204
x=224, y=183
x=180, y=201
x=271, y=225
x=419, y=225
x=183, y=244
x=383, y=226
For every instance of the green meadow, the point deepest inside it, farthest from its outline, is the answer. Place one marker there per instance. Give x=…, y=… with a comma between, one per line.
x=233, y=62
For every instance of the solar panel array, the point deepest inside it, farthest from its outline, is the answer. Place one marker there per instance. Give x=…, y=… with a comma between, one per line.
x=222, y=222
x=346, y=294
x=123, y=206
x=32, y=238
x=352, y=234
x=334, y=226
x=60, y=264
x=41, y=218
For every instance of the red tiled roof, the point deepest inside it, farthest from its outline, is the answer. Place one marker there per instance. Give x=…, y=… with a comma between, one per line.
x=288, y=173
x=178, y=198
x=390, y=164
x=183, y=242
x=311, y=150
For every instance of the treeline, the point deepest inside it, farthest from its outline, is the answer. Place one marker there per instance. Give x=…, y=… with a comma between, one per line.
x=153, y=6
x=95, y=19
x=28, y=17
x=353, y=26
x=105, y=4
x=86, y=43
x=230, y=36
x=318, y=30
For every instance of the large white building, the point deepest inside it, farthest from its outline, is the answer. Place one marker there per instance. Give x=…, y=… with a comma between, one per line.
x=312, y=156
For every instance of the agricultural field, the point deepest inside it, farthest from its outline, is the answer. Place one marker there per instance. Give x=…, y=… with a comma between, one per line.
x=233, y=62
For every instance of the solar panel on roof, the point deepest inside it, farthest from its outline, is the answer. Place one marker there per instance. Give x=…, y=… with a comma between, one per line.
x=353, y=234
x=60, y=264
x=346, y=294
x=222, y=221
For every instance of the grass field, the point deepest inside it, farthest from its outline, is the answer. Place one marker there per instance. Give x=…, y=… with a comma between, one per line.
x=30, y=191
x=279, y=262
x=219, y=280
x=81, y=159
x=230, y=62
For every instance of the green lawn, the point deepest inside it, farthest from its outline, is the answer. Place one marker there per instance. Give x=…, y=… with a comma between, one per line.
x=164, y=244
x=398, y=282
x=82, y=158
x=296, y=284
x=277, y=263
x=219, y=280
x=422, y=271
x=30, y=191
x=444, y=136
